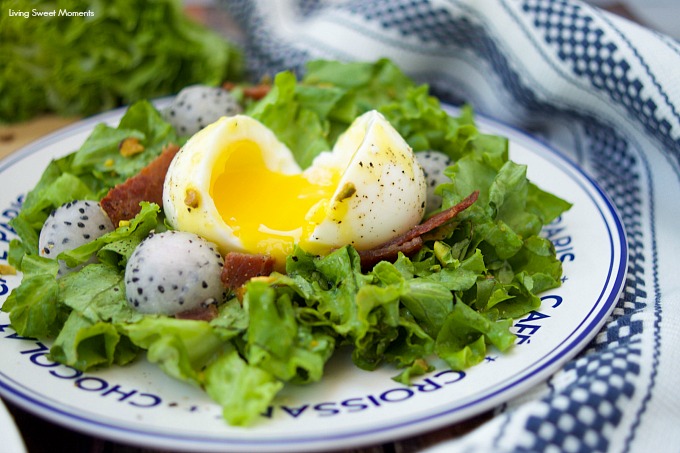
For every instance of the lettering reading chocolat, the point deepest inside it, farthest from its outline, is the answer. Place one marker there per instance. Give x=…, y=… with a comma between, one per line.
x=37, y=354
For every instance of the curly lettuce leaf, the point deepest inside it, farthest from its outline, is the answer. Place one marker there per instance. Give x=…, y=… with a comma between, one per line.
x=97, y=294
x=123, y=52
x=277, y=343
x=308, y=115
x=100, y=156
x=244, y=391
x=39, y=306
x=462, y=340
x=182, y=348
x=89, y=172
x=32, y=306
x=84, y=344
x=455, y=298
x=295, y=123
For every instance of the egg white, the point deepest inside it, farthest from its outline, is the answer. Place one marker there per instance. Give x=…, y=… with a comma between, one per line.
x=380, y=189
x=390, y=189
x=191, y=171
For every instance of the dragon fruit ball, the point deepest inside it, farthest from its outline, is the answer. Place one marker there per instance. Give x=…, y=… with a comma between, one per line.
x=172, y=272
x=70, y=226
x=196, y=106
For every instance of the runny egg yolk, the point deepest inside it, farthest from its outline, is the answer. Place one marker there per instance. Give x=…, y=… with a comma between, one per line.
x=235, y=184
x=268, y=211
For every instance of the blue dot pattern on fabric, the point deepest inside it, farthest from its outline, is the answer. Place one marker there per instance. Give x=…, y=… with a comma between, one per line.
x=593, y=55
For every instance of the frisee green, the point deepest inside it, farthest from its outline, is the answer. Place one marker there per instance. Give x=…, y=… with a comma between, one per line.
x=123, y=52
x=454, y=298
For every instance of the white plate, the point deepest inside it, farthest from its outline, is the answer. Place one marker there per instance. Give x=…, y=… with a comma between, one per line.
x=140, y=405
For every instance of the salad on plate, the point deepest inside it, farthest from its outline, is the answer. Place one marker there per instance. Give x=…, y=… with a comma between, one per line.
x=241, y=235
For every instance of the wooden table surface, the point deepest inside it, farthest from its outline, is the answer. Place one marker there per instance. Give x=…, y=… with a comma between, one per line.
x=15, y=136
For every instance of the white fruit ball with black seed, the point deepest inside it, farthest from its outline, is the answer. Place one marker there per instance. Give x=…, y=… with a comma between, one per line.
x=71, y=225
x=172, y=272
x=434, y=163
x=196, y=106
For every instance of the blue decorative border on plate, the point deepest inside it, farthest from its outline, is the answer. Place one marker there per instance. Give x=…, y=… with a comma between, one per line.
x=538, y=370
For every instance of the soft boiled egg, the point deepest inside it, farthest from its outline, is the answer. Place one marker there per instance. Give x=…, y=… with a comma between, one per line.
x=235, y=184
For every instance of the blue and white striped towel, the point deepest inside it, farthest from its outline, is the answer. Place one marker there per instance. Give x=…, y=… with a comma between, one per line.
x=603, y=90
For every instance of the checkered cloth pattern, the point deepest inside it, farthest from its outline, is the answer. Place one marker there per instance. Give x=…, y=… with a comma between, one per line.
x=601, y=89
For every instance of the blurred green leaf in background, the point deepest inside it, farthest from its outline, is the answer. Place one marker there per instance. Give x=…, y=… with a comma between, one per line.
x=116, y=53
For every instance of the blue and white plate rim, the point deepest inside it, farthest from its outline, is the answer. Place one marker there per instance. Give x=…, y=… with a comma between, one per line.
x=540, y=370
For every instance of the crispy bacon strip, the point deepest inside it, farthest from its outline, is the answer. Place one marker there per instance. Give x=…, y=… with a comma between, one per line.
x=411, y=241
x=202, y=313
x=370, y=258
x=241, y=267
x=122, y=202
x=255, y=92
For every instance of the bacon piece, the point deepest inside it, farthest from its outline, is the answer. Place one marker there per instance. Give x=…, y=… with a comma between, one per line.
x=241, y=267
x=122, y=201
x=255, y=92
x=435, y=221
x=411, y=241
x=200, y=313
x=370, y=258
